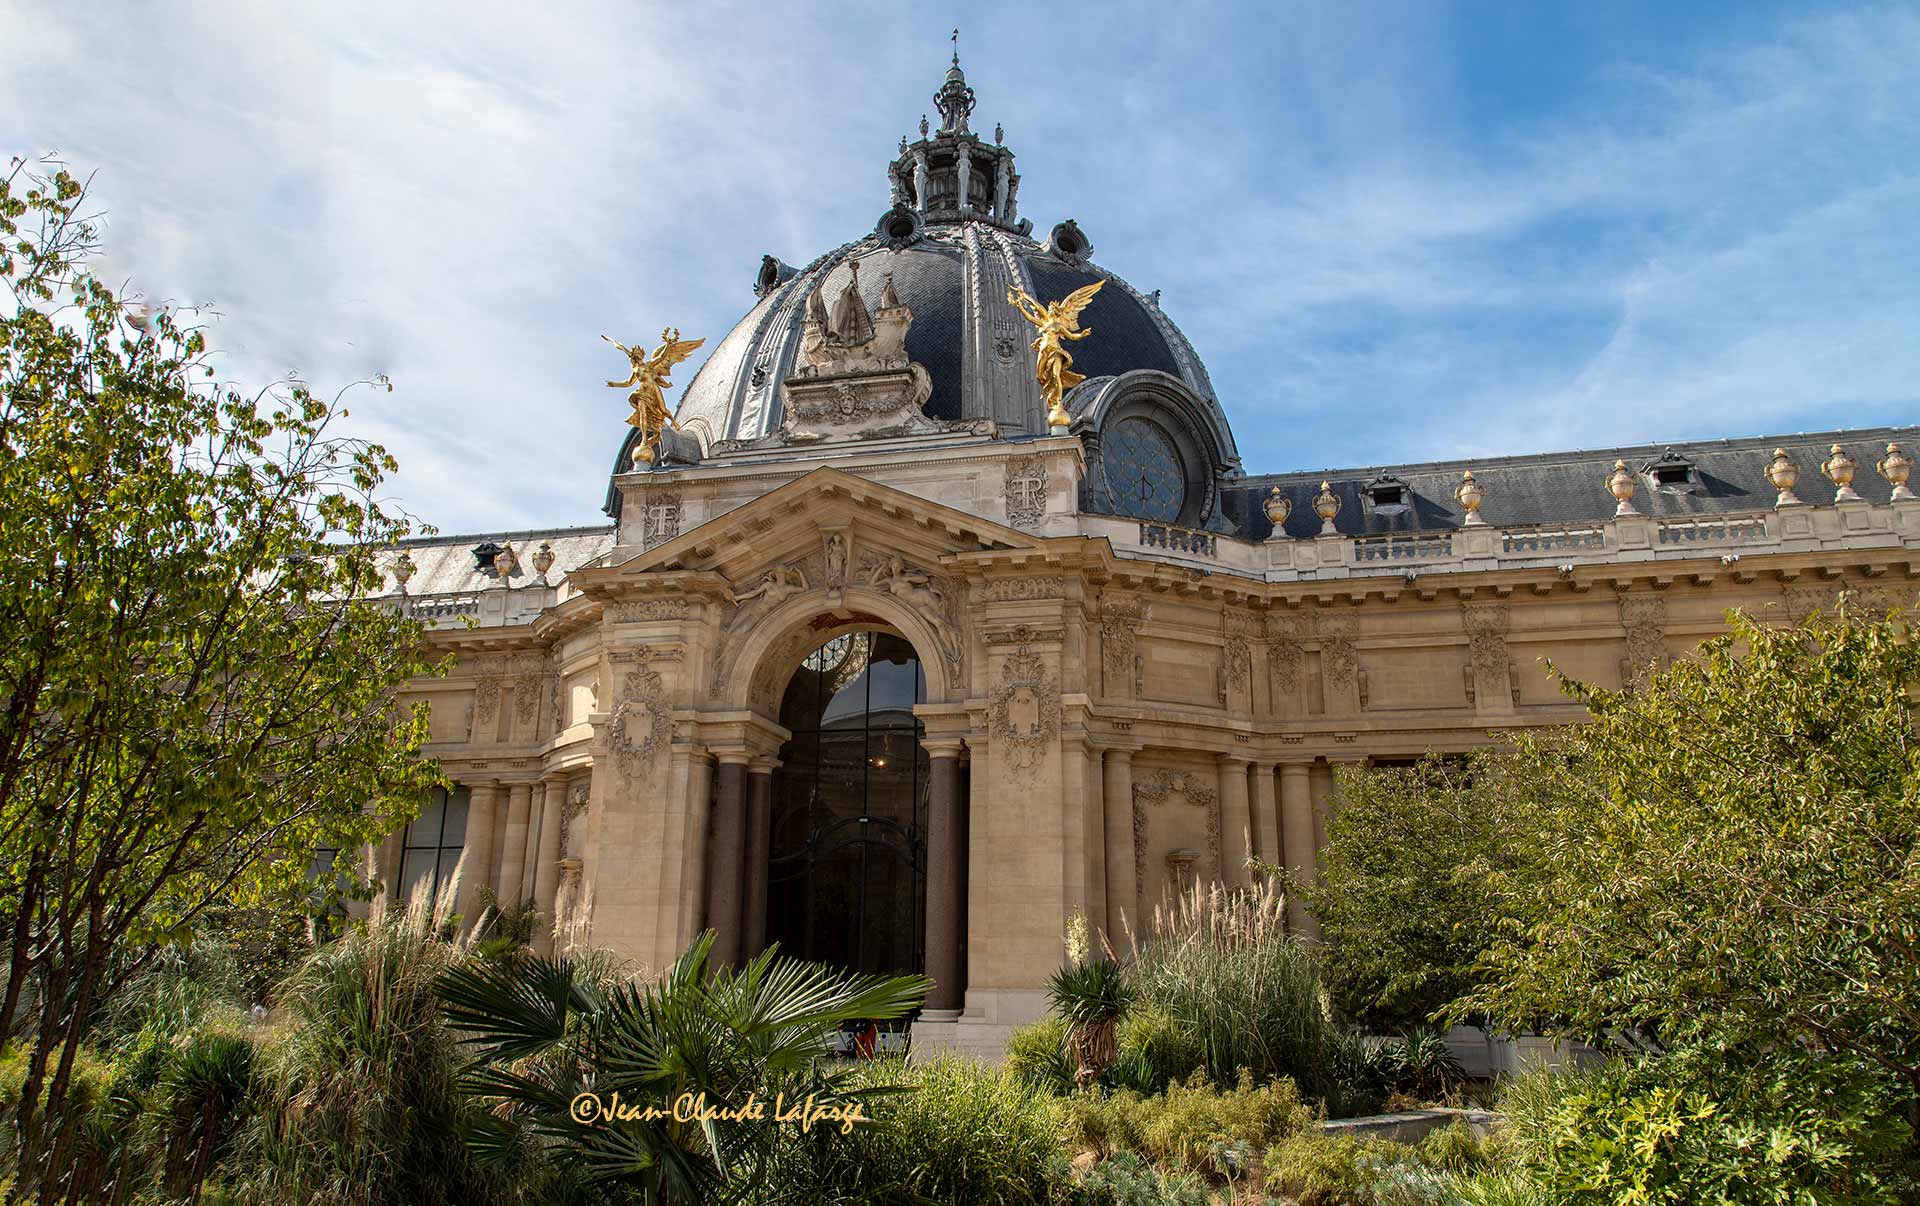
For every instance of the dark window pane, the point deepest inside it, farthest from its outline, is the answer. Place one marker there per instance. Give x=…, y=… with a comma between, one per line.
x=455, y=832
x=424, y=830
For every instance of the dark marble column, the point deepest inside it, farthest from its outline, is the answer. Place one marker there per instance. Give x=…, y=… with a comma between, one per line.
x=726, y=851
x=759, y=839
x=946, y=855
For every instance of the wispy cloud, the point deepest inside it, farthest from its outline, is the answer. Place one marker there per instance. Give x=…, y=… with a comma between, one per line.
x=1710, y=243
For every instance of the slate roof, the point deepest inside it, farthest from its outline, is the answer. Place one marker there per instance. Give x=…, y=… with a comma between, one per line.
x=447, y=565
x=1568, y=487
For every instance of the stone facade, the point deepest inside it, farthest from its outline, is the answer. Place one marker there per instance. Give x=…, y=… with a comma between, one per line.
x=1114, y=703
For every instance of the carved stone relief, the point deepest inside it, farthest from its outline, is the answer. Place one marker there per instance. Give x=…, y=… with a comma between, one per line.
x=642, y=610
x=1645, y=619
x=529, y=669
x=1490, y=680
x=1238, y=626
x=660, y=516
x=1339, y=661
x=1026, y=491
x=1120, y=621
x=1286, y=635
x=1023, y=712
x=931, y=597
x=1156, y=789
x=1003, y=590
x=640, y=720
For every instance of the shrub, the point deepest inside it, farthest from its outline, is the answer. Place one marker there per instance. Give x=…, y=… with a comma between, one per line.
x=1127, y=1180
x=956, y=1131
x=1155, y=1050
x=1701, y=1125
x=1222, y=966
x=1037, y=1055
x=1092, y=997
x=1187, y=1126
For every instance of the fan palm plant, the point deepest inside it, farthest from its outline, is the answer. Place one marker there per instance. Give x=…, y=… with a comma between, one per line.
x=554, y=1049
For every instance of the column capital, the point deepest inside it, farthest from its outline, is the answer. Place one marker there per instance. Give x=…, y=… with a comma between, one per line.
x=556, y=778
x=1296, y=762
x=733, y=757
x=942, y=747
x=764, y=765
x=1225, y=756
x=1120, y=755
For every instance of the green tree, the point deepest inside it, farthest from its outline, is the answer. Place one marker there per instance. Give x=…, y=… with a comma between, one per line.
x=1734, y=852
x=1407, y=896
x=191, y=703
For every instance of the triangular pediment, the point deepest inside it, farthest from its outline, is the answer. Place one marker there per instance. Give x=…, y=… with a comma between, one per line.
x=789, y=525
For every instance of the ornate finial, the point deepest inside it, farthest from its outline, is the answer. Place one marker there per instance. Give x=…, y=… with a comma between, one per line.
x=903, y=144
x=1621, y=483
x=999, y=134
x=888, y=297
x=1278, y=507
x=505, y=563
x=955, y=99
x=1781, y=474
x=650, y=381
x=1839, y=468
x=923, y=125
x=1053, y=368
x=1326, y=505
x=1896, y=467
x=1471, y=494
x=956, y=48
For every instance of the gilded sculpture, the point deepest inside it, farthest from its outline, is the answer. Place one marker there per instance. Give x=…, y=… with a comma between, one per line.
x=649, y=380
x=1055, y=321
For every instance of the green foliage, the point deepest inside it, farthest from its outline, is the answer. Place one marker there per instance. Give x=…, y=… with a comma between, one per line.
x=1092, y=997
x=359, y=1100
x=1037, y=1055
x=1730, y=855
x=1154, y=1050
x=1222, y=966
x=1127, y=1180
x=195, y=698
x=1712, y=1125
x=1405, y=897
x=956, y=1131
x=1185, y=1127
x=544, y=1035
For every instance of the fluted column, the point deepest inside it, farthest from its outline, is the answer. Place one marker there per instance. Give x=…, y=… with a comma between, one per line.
x=753, y=921
x=1236, y=822
x=546, y=862
x=1296, y=824
x=1266, y=814
x=946, y=856
x=725, y=854
x=513, y=852
x=476, y=853
x=1123, y=893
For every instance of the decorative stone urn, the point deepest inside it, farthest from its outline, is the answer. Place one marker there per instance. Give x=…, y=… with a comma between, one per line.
x=403, y=569
x=1838, y=468
x=505, y=562
x=543, y=559
x=1782, y=473
x=1471, y=494
x=1621, y=484
x=1896, y=467
x=1279, y=507
x=1326, y=505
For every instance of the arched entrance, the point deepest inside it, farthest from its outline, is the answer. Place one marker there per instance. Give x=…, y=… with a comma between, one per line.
x=847, y=857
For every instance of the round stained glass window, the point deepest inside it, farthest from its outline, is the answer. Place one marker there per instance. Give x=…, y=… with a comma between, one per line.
x=1144, y=473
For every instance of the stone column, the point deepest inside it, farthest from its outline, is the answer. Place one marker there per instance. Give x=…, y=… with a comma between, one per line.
x=946, y=911
x=1302, y=854
x=1266, y=816
x=725, y=854
x=1236, y=822
x=1123, y=893
x=513, y=850
x=546, y=862
x=476, y=853
x=531, y=862
x=753, y=921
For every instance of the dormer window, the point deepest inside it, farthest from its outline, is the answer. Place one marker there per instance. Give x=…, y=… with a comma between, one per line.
x=483, y=555
x=1384, y=492
x=1672, y=472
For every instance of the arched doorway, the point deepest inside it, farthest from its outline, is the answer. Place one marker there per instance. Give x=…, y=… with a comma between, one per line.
x=846, y=875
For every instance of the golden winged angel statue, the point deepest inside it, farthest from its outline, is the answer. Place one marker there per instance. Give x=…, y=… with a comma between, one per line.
x=649, y=379
x=1055, y=321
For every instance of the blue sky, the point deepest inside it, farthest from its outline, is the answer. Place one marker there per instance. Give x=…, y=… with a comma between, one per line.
x=1394, y=232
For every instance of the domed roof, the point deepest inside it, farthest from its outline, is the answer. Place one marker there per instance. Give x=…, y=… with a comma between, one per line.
x=951, y=245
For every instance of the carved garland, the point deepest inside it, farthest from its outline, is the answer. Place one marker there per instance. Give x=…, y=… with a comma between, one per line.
x=1645, y=619
x=1285, y=654
x=1119, y=628
x=1239, y=649
x=1339, y=661
x=1023, y=712
x=640, y=722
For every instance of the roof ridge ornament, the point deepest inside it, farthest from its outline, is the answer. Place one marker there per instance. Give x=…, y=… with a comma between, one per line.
x=954, y=100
